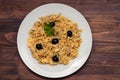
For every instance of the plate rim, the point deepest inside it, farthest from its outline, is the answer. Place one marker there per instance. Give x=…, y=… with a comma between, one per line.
x=86, y=57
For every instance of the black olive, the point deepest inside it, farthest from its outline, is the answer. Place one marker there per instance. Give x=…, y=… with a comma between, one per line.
x=69, y=33
x=55, y=41
x=52, y=24
x=55, y=58
x=39, y=46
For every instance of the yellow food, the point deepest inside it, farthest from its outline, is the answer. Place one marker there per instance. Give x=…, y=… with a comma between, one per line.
x=66, y=49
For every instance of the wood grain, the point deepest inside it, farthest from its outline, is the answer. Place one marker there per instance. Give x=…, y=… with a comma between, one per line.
x=104, y=19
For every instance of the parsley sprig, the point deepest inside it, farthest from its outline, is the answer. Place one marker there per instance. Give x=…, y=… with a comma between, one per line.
x=48, y=28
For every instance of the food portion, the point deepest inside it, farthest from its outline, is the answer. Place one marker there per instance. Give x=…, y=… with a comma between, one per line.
x=54, y=40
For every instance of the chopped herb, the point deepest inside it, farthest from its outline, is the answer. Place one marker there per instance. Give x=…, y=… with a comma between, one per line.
x=49, y=30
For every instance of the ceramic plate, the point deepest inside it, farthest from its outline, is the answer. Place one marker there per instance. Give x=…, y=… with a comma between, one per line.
x=58, y=70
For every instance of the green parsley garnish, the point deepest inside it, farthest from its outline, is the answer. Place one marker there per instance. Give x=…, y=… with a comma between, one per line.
x=49, y=29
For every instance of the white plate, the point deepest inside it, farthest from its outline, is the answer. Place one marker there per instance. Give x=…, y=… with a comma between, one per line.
x=59, y=70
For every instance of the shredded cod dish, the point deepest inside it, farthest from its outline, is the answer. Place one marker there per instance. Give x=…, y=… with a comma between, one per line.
x=54, y=39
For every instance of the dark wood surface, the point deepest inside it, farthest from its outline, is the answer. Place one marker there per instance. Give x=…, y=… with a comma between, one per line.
x=104, y=19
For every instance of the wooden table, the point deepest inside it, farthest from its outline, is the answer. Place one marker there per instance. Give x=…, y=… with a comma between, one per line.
x=104, y=19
